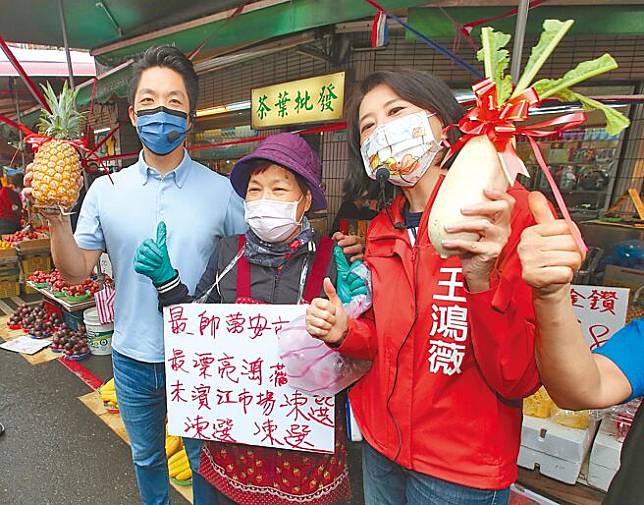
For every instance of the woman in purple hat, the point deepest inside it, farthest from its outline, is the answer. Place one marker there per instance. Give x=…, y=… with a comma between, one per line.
x=280, y=260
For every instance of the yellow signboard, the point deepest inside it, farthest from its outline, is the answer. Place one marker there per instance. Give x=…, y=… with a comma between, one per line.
x=313, y=100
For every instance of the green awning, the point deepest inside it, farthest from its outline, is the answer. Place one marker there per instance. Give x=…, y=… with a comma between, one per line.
x=589, y=20
x=89, y=24
x=255, y=26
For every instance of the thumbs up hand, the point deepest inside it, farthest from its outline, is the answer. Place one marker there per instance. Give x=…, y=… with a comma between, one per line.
x=548, y=252
x=327, y=319
x=152, y=258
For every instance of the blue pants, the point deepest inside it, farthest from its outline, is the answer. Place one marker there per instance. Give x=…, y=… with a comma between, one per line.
x=387, y=483
x=140, y=389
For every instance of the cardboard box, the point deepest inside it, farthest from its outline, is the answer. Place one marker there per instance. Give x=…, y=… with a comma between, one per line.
x=558, y=451
x=604, y=457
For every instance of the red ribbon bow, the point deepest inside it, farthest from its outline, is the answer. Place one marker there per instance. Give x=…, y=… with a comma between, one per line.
x=499, y=123
x=35, y=140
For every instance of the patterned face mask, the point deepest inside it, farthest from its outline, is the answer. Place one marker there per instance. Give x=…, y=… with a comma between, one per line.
x=406, y=147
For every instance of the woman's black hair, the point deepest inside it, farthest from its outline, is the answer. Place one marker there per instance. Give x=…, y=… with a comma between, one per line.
x=420, y=88
x=167, y=57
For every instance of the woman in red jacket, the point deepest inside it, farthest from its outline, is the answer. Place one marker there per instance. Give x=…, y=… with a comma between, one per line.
x=451, y=340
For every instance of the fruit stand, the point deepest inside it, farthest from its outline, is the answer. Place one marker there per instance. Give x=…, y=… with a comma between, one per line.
x=70, y=298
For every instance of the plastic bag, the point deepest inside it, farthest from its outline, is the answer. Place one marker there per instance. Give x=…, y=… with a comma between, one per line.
x=623, y=416
x=539, y=404
x=570, y=418
x=311, y=365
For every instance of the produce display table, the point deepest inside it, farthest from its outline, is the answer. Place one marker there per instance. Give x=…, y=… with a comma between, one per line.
x=65, y=304
x=579, y=494
x=43, y=356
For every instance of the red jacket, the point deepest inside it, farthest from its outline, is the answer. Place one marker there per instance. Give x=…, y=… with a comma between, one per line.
x=9, y=204
x=443, y=396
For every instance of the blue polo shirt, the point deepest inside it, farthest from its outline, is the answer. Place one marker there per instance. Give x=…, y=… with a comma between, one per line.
x=198, y=207
x=626, y=350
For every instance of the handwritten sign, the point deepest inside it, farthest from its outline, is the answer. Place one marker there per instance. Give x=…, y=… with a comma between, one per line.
x=312, y=100
x=601, y=311
x=226, y=382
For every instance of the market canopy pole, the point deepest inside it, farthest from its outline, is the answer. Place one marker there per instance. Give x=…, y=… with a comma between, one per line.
x=63, y=26
x=31, y=86
x=519, y=37
x=19, y=119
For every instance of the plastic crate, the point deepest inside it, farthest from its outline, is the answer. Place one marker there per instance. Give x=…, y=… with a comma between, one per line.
x=9, y=288
x=73, y=319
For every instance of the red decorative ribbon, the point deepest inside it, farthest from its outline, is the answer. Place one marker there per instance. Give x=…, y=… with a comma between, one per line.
x=499, y=124
x=467, y=28
x=35, y=140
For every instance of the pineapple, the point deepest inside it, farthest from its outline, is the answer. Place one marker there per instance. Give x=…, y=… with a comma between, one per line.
x=57, y=176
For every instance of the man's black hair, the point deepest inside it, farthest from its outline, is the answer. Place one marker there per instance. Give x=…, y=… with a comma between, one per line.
x=167, y=57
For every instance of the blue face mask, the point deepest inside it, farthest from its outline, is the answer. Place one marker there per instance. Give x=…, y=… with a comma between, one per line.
x=161, y=130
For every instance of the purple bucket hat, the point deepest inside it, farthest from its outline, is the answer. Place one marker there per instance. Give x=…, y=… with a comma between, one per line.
x=291, y=152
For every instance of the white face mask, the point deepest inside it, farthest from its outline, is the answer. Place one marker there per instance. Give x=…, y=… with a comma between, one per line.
x=272, y=220
x=406, y=147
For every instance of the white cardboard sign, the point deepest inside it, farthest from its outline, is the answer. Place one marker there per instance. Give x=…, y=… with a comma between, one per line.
x=226, y=382
x=600, y=310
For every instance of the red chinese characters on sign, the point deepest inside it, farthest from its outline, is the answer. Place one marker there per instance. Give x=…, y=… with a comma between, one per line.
x=227, y=369
x=269, y=429
x=200, y=394
x=321, y=412
x=234, y=388
x=175, y=392
x=222, y=429
x=603, y=300
x=203, y=362
x=245, y=399
x=278, y=378
x=208, y=323
x=258, y=324
x=297, y=401
x=177, y=360
x=267, y=402
x=235, y=323
x=279, y=324
x=178, y=323
x=296, y=436
x=576, y=298
x=223, y=397
x=599, y=333
x=252, y=370
x=195, y=428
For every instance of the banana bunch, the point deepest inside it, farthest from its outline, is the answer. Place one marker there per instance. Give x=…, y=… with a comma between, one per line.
x=107, y=393
x=179, y=466
x=172, y=445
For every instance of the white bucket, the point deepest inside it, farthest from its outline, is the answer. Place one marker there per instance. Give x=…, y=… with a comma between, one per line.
x=99, y=336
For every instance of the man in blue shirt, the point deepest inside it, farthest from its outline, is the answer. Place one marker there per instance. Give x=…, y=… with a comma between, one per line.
x=198, y=206
x=576, y=378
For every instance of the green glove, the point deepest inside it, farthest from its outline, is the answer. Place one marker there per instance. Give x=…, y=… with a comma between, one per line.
x=348, y=284
x=152, y=259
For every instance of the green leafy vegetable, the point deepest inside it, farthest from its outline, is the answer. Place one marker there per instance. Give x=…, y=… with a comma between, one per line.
x=496, y=60
x=582, y=72
x=615, y=121
x=553, y=31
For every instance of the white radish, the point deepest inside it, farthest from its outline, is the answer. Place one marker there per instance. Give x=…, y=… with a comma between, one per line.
x=477, y=167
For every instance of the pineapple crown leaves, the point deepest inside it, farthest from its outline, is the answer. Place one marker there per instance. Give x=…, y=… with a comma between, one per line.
x=64, y=121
